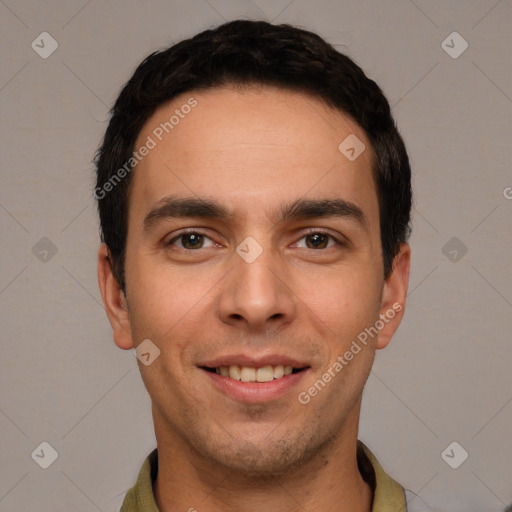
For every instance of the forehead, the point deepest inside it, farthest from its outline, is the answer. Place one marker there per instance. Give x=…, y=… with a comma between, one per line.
x=252, y=146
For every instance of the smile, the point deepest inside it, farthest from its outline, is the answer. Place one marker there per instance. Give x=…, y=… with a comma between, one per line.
x=250, y=374
x=255, y=384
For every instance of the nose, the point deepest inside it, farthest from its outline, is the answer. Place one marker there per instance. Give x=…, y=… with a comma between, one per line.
x=257, y=295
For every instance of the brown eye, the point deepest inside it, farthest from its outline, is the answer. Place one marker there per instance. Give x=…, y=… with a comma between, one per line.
x=317, y=240
x=192, y=240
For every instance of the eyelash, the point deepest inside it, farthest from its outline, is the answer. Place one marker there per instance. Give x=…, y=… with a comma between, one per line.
x=311, y=231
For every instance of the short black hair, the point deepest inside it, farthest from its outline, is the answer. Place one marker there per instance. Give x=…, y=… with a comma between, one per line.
x=240, y=53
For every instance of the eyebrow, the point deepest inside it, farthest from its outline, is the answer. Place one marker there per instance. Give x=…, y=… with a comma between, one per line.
x=186, y=207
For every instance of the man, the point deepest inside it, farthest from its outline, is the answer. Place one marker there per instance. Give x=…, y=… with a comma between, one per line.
x=254, y=198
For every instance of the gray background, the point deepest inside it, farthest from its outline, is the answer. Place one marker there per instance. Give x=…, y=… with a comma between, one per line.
x=446, y=377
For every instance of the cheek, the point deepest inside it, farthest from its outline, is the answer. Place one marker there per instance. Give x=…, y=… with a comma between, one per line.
x=342, y=302
x=170, y=311
x=164, y=301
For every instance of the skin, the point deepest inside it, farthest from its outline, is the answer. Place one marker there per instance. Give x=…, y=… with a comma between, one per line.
x=254, y=150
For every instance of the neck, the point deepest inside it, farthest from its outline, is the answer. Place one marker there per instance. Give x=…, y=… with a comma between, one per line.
x=327, y=481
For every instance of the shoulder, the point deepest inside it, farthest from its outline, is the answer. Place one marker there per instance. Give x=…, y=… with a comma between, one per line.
x=140, y=497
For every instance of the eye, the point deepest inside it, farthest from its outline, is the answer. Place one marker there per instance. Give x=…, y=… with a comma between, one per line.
x=191, y=240
x=318, y=240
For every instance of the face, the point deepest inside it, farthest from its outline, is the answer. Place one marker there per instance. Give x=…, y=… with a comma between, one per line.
x=253, y=246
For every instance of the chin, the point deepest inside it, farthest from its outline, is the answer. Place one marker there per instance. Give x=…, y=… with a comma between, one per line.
x=280, y=457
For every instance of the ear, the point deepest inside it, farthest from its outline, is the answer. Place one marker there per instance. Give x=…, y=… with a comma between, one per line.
x=114, y=301
x=394, y=295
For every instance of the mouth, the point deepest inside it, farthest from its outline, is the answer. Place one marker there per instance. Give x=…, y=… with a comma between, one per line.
x=255, y=381
x=260, y=374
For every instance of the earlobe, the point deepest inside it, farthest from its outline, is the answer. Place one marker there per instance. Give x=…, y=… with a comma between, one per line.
x=114, y=301
x=394, y=296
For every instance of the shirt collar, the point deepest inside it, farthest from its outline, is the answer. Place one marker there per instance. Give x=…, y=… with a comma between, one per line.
x=388, y=495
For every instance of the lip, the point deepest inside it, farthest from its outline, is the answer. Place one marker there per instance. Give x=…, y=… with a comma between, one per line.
x=254, y=361
x=256, y=392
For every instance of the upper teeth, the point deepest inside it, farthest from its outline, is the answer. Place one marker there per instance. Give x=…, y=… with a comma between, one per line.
x=247, y=374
